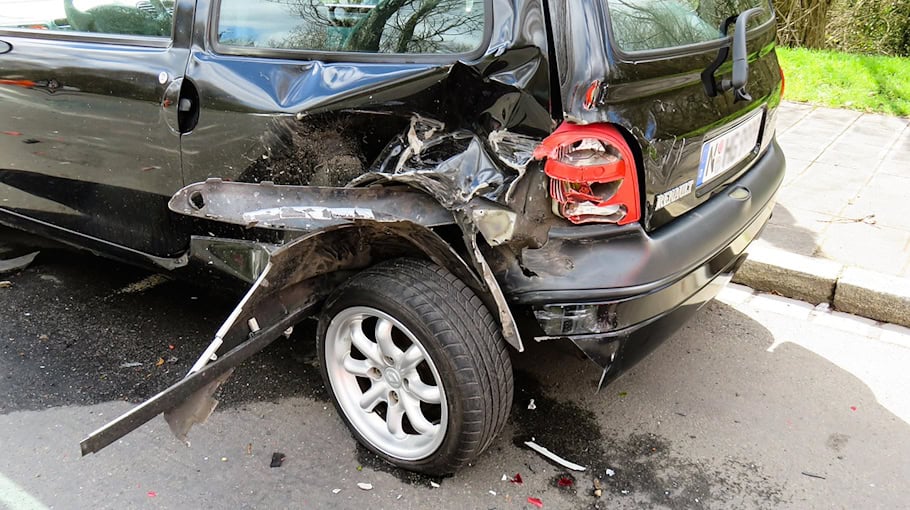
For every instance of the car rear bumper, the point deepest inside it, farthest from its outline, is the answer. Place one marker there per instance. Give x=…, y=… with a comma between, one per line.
x=618, y=296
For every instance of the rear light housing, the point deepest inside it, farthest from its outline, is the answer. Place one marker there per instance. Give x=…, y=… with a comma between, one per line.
x=593, y=177
x=783, y=82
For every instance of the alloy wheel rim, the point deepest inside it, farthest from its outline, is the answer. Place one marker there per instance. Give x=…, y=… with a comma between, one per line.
x=385, y=383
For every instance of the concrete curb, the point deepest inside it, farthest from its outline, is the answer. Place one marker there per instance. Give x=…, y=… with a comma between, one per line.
x=877, y=296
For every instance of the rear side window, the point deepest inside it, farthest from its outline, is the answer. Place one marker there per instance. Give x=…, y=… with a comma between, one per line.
x=641, y=25
x=153, y=18
x=368, y=26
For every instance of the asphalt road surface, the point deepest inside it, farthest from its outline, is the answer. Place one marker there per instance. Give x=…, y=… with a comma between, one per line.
x=759, y=402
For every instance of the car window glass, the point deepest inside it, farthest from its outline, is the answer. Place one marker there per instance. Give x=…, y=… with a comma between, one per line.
x=371, y=26
x=122, y=17
x=655, y=24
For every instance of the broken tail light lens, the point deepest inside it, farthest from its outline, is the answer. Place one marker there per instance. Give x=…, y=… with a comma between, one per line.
x=593, y=177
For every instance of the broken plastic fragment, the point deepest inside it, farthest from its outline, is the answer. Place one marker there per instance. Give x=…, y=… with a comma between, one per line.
x=505, y=477
x=492, y=493
x=532, y=406
x=434, y=484
x=853, y=408
x=132, y=364
x=536, y=502
x=18, y=263
x=5, y=284
x=365, y=486
x=152, y=494
x=565, y=481
x=336, y=491
x=159, y=362
x=277, y=460
x=517, y=479
x=552, y=456
x=610, y=472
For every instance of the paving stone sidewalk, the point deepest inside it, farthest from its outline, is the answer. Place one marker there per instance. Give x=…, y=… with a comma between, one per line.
x=841, y=228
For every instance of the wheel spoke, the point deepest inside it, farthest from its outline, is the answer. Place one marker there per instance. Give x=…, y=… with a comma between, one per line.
x=415, y=415
x=393, y=420
x=374, y=395
x=411, y=358
x=384, y=339
x=425, y=392
x=358, y=367
x=363, y=344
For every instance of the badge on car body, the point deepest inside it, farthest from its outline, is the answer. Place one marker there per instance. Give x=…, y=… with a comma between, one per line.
x=673, y=194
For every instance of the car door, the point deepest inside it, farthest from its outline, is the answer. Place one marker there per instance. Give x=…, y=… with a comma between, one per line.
x=89, y=127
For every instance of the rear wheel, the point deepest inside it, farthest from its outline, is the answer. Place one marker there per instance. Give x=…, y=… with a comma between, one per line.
x=416, y=365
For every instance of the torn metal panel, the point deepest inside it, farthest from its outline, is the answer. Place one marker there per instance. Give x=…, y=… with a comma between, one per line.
x=305, y=208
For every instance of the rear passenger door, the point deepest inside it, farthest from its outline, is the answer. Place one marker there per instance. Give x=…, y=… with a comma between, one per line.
x=89, y=128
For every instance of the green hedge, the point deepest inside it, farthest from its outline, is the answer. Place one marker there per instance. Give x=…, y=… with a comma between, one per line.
x=880, y=27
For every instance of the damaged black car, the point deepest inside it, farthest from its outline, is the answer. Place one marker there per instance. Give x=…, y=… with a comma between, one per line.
x=438, y=182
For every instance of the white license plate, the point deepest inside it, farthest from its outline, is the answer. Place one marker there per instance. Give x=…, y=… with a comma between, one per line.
x=728, y=149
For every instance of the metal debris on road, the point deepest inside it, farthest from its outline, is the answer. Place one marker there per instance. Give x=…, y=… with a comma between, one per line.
x=813, y=475
x=552, y=456
x=18, y=263
x=277, y=460
x=365, y=486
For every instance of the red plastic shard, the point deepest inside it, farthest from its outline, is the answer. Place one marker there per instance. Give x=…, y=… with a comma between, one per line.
x=517, y=479
x=565, y=482
x=853, y=408
x=536, y=502
x=152, y=494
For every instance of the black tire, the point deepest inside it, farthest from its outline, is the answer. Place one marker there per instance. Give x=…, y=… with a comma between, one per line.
x=458, y=334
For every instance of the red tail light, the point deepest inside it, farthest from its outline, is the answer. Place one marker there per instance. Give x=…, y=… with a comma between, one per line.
x=782, y=82
x=592, y=173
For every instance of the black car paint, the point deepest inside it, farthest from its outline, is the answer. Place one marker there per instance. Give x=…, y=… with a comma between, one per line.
x=478, y=118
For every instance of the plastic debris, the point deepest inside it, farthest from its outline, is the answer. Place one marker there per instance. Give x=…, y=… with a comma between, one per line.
x=610, y=472
x=492, y=493
x=552, y=456
x=532, y=406
x=172, y=360
x=517, y=479
x=277, y=460
x=505, y=477
x=623, y=394
x=359, y=468
x=152, y=494
x=336, y=491
x=365, y=486
x=564, y=482
x=223, y=459
x=171, y=346
x=853, y=408
x=434, y=484
x=18, y=263
x=131, y=364
x=536, y=502
x=6, y=284
x=159, y=362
